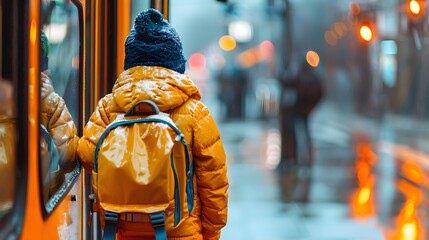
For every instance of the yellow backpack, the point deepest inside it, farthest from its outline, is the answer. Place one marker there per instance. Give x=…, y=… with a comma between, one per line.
x=134, y=171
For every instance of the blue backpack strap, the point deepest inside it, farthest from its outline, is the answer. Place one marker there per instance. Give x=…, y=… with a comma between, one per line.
x=111, y=224
x=52, y=147
x=158, y=222
x=189, y=178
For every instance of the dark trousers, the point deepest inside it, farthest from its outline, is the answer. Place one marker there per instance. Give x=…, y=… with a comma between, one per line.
x=296, y=144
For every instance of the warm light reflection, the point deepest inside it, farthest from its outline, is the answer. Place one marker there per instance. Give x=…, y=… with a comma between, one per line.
x=364, y=151
x=409, y=231
x=362, y=204
x=413, y=171
x=363, y=172
x=411, y=162
x=410, y=226
x=364, y=195
x=227, y=43
x=411, y=221
x=413, y=194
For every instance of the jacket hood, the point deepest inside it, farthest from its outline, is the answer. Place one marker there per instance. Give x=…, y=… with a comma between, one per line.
x=167, y=88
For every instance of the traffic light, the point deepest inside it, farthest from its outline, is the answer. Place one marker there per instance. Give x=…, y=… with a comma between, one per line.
x=364, y=16
x=416, y=9
x=366, y=31
x=416, y=20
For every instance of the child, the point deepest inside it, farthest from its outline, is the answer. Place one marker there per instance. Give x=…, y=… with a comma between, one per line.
x=154, y=70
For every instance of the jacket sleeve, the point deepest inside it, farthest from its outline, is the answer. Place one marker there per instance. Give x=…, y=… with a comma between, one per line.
x=61, y=127
x=211, y=175
x=91, y=134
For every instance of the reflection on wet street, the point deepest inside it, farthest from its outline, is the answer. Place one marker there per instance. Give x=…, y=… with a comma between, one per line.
x=356, y=188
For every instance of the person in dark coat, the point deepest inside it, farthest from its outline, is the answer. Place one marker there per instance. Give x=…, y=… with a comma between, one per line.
x=154, y=69
x=309, y=93
x=300, y=96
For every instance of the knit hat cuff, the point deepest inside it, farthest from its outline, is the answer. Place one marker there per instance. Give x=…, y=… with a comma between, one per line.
x=178, y=65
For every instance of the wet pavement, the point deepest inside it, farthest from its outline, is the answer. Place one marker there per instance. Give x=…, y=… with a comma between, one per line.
x=353, y=191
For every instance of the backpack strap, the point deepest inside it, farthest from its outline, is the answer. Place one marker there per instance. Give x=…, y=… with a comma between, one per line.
x=52, y=147
x=158, y=222
x=111, y=224
x=132, y=111
x=189, y=177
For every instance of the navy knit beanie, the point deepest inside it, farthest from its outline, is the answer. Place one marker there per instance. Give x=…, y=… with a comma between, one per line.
x=153, y=42
x=44, y=49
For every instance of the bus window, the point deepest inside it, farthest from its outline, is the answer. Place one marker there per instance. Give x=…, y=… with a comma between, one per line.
x=7, y=128
x=59, y=97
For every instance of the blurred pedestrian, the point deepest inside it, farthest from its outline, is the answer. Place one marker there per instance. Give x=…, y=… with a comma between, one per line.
x=154, y=70
x=287, y=121
x=309, y=92
x=301, y=94
x=232, y=91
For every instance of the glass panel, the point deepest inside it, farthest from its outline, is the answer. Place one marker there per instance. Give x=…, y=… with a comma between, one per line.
x=137, y=6
x=59, y=102
x=7, y=126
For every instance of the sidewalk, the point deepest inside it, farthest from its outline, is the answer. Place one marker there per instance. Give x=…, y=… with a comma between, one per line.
x=256, y=209
x=340, y=205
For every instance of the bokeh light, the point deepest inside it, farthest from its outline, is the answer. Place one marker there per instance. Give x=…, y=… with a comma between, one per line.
x=197, y=61
x=313, y=58
x=227, y=43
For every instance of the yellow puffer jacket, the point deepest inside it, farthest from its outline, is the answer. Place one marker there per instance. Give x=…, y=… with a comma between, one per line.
x=7, y=146
x=7, y=161
x=59, y=123
x=176, y=94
